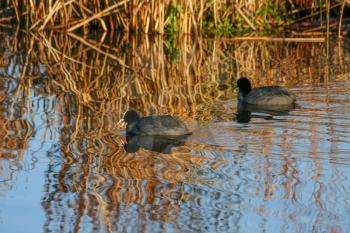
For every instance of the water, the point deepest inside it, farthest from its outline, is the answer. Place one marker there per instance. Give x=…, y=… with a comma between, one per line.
x=63, y=166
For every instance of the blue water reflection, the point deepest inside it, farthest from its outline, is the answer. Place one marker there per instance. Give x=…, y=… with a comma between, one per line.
x=64, y=168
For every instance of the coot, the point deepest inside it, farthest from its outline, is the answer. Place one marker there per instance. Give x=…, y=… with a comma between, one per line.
x=263, y=96
x=154, y=125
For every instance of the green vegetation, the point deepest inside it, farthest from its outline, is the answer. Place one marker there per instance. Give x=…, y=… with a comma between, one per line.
x=174, y=14
x=172, y=50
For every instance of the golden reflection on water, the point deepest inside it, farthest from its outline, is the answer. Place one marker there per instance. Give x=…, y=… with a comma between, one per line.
x=73, y=91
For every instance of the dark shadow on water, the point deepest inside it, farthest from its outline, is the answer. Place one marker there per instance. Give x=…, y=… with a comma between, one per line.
x=161, y=144
x=245, y=112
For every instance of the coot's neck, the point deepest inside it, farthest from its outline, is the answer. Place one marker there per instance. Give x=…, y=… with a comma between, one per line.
x=245, y=90
x=131, y=118
x=130, y=126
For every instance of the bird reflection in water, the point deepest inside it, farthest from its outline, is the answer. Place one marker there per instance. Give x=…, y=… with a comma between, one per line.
x=157, y=143
x=245, y=112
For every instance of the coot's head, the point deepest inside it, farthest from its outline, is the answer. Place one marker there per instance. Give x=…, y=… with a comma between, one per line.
x=131, y=116
x=244, y=85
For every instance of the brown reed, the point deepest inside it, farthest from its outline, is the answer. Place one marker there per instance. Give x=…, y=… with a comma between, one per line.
x=151, y=16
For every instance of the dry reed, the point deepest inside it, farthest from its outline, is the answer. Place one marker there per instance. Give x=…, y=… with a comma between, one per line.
x=182, y=17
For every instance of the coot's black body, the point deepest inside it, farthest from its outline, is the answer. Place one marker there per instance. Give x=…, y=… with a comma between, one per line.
x=164, y=125
x=263, y=96
x=270, y=100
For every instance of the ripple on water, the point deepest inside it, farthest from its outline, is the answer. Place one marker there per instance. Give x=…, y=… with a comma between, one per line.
x=273, y=173
x=293, y=168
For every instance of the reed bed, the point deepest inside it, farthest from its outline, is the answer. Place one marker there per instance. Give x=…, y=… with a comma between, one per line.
x=217, y=17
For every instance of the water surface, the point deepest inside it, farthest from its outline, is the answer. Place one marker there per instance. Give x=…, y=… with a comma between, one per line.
x=63, y=166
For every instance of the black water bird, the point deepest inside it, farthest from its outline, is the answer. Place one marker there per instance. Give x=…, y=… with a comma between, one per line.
x=164, y=125
x=269, y=100
x=263, y=96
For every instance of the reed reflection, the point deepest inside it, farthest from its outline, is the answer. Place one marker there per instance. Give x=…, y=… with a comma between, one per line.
x=93, y=184
x=17, y=75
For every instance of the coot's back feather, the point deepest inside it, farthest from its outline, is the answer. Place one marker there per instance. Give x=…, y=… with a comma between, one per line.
x=154, y=125
x=160, y=125
x=269, y=95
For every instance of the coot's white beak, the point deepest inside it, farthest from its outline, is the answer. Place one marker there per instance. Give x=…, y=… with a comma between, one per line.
x=121, y=123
